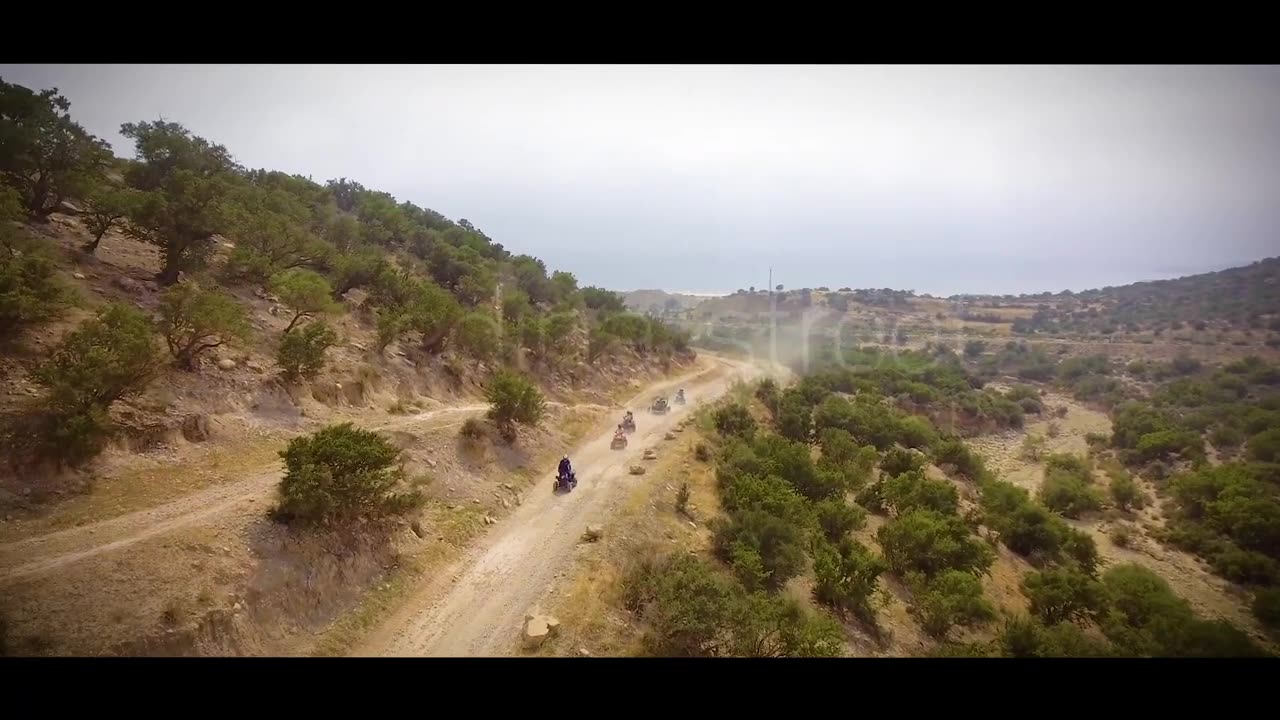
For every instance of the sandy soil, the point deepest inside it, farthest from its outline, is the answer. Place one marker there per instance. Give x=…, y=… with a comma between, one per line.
x=477, y=607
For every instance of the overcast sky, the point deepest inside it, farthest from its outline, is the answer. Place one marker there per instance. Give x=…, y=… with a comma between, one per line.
x=938, y=179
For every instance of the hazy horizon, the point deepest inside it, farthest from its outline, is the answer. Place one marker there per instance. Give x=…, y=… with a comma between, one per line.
x=943, y=180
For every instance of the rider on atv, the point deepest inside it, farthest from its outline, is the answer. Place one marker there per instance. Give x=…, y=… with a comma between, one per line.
x=680, y=395
x=566, y=470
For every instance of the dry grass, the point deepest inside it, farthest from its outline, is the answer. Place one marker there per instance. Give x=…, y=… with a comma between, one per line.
x=142, y=482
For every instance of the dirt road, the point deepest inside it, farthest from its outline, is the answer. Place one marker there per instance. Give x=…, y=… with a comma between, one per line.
x=48, y=552
x=477, y=607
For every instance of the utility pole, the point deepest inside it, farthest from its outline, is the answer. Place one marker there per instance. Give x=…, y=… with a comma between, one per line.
x=773, y=323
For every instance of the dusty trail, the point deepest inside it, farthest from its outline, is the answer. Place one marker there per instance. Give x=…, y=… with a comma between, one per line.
x=43, y=553
x=477, y=607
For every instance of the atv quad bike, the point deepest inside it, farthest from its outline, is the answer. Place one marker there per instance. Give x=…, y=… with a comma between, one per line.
x=628, y=423
x=680, y=396
x=619, y=441
x=659, y=406
x=565, y=483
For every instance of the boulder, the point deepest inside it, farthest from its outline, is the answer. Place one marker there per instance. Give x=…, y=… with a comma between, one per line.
x=66, y=207
x=195, y=428
x=226, y=364
x=538, y=629
x=255, y=366
x=669, y=436
x=650, y=454
x=637, y=470
x=78, y=275
x=593, y=533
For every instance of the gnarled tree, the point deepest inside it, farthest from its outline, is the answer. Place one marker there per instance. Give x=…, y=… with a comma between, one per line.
x=184, y=182
x=44, y=155
x=195, y=320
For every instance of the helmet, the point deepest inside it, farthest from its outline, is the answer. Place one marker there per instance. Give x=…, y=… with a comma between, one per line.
x=565, y=457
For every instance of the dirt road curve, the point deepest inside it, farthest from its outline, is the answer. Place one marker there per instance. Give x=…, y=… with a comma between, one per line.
x=477, y=607
x=54, y=550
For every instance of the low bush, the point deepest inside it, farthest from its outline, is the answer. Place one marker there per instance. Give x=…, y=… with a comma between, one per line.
x=1266, y=607
x=897, y=461
x=1027, y=638
x=1067, y=493
x=691, y=609
x=1126, y=494
x=107, y=358
x=846, y=574
x=302, y=351
x=1149, y=619
x=929, y=542
x=472, y=429
x=915, y=490
x=195, y=320
x=952, y=598
x=513, y=400
x=30, y=290
x=1064, y=594
x=342, y=474
x=734, y=420
x=836, y=518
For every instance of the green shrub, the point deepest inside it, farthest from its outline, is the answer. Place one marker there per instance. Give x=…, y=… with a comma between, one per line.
x=1066, y=493
x=734, y=420
x=1231, y=500
x=955, y=452
x=867, y=419
x=305, y=292
x=702, y=453
x=1030, y=529
x=837, y=518
x=472, y=430
x=928, y=542
x=916, y=432
x=341, y=474
x=302, y=351
x=1150, y=620
x=952, y=598
x=1225, y=436
x=768, y=394
x=843, y=456
x=477, y=335
x=1265, y=446
x=1027, y=638
x=682, y=499
x=107, y=358
x=765, y=549
x=1245, y=566
x=194, y=320
x=1125, y=492
x=1033, y=448
x=1121, y=535
x=1167, y=443
x=690, y=609
x=897, y=461
x=845, y=576
x=914, y=490
x=30, y=290
x=1064, y=594
x=794, y=417
x=1266, y=607
x=513, y=400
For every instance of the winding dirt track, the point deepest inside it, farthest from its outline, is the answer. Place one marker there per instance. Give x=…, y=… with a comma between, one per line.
x=51, y=551
x=477, y=607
